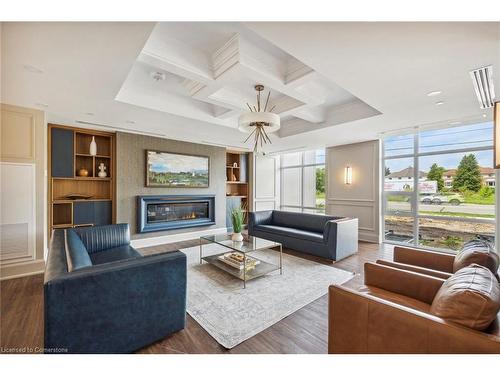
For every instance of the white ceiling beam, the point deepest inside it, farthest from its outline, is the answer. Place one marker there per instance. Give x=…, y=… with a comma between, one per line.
x=173, y=66
x=310, y=114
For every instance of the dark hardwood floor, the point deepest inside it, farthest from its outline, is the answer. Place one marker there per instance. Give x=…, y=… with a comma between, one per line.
x=305, y=331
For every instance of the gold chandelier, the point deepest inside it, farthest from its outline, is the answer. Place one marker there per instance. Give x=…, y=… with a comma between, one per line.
x=259, y=121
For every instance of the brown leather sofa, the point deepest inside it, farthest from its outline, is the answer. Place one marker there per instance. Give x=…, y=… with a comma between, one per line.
x=392, y=314
x=442, y=265
x=432, y=263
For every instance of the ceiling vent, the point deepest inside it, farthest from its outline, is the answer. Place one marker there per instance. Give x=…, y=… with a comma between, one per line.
x=482, y=79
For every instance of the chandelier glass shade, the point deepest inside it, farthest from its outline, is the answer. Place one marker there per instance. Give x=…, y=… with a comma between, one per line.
x=259, y=121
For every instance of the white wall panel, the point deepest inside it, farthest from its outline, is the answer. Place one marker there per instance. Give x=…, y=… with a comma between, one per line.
x=17, y=218
x=361, y=199
x=265, y=183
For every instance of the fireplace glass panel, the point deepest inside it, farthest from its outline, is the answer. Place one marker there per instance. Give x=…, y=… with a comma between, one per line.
x=168, y=212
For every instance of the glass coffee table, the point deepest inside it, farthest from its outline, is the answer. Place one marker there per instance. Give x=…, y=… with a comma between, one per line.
x=256, y=267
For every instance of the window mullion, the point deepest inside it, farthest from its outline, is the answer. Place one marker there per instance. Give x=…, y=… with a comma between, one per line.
x=416, y=176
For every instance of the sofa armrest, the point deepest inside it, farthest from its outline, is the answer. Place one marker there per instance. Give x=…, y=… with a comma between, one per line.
x=424, y=258
x=409, y=284
x=341, y=236
x=259, y=218
x=409, y=267
x=56, y=264
x=116, y=307
x=361, y=323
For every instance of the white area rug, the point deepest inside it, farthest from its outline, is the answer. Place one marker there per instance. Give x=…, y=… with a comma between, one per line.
x=231, y=314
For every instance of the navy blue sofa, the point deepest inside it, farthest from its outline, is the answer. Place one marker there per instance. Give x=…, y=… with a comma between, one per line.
x=102, y=296
x=328, y=237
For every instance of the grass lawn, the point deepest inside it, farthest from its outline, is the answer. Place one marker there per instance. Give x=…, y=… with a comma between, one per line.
x=470, y=198
x=398, y=198
x=475, y=198
x=457, y=214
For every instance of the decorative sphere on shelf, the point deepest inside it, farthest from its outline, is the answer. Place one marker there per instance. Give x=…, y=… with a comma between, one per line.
x=83, y=172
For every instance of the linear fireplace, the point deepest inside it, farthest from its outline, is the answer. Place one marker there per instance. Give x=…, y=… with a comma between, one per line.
x=164, y=212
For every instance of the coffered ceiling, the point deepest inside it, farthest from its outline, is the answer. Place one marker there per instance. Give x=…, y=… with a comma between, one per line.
x=332, y=83
x=207, y=72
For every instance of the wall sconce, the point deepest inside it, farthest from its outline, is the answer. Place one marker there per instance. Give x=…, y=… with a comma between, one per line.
x=496, y=132
x=348, y=175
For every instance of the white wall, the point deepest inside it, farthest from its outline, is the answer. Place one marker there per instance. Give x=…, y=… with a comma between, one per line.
x=361, y=199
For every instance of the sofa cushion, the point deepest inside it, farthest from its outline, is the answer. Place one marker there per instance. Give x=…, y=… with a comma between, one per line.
x=114, y=254
x=470, y=297
x=477, y=252
x=291, y=232
x=302, y=221
x=76, y=254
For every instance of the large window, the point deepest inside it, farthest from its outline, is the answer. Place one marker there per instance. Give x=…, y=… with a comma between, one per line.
x=439, y=187
x=303, y=181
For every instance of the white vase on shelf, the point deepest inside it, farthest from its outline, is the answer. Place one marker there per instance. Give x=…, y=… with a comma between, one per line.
x=93, y=147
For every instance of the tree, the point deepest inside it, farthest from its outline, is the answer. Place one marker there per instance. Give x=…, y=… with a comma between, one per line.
x=436, y=174
x=468, y=175
x=387, y=171
x=320, y=180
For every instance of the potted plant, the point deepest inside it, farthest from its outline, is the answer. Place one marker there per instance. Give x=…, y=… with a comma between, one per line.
x=238, y=218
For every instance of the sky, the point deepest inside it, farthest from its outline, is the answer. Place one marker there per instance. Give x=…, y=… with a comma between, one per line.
x=462, y=137
x=176, y=163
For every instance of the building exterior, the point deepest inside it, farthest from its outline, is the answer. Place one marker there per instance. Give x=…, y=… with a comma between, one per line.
x=405, y=175
x=487, y=174
x=403, y=181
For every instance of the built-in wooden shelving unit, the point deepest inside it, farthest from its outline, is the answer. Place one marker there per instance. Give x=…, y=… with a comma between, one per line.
x=237, y=186
x=69, y=152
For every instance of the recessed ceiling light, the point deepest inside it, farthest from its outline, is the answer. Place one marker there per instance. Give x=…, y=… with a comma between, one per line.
x=484, y=115
x=130, y=122
x=32, y=69
x=44, y=105
x=158, y=76
x=433, y=93
x=439, y=103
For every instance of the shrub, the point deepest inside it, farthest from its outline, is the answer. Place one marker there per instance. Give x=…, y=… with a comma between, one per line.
x=453, y=242
x=486, y=191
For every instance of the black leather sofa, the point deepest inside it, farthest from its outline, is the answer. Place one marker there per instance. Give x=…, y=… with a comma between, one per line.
x=328, y=237
x=102, y=296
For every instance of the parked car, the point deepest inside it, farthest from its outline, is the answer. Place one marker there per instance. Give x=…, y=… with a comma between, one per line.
x=454, y=199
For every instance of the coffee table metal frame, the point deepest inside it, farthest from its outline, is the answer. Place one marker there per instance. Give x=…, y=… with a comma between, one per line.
x=263, y=268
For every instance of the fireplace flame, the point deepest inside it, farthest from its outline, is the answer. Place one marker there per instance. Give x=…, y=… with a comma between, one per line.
x=192, y=215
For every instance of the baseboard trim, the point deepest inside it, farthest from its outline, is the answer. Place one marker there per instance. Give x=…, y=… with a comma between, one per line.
x=369, y=237
x=161, y=240
x=13, y=271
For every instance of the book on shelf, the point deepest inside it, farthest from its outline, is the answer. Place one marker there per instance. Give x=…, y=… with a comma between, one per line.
x=235, y=260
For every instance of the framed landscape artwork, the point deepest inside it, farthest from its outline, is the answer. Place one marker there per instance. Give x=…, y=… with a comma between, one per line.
x=165, y=169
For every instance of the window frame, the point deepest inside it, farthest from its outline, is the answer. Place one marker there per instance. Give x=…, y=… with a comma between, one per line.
x=414, y=195
x=301, y=166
